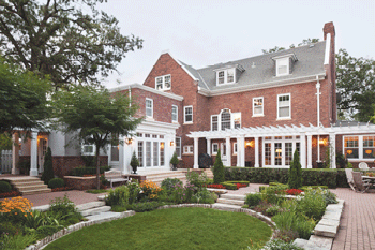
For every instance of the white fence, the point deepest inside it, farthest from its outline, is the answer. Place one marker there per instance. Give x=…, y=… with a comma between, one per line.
x=6, y=161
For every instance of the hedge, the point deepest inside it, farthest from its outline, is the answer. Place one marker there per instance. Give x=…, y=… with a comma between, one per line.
x=329, y=177
x=56, y=183
x=81, y=171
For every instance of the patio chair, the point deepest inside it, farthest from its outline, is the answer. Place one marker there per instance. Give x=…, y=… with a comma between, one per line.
x=349, y=178
x=360, y=185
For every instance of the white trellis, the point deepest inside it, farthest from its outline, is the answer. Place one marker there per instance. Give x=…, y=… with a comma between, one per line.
x=6, y=161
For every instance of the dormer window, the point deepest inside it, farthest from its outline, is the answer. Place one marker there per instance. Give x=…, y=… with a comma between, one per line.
x=163, y=82
x=226, y=76
x=284, y=64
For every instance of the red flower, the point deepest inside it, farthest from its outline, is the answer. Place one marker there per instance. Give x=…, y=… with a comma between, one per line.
x=293, y=191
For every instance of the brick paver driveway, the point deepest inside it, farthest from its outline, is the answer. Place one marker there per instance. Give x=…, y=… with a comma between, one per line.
x=357, y=228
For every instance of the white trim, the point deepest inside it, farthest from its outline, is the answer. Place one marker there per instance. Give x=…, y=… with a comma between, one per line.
x=262, y=114
x=188, y=149
x=284, y=56
x=282, y=62
x=163, y=82
x=214, y=152
x=278, y=106
x=328, y=49
x=152, y=108
x=217, y=122
x=275, y=83
x=176, y=113
x=360, y=147
x=225, y=71
x=235, y=148
x=149, y=89
x=179, y=151
x=192, y=112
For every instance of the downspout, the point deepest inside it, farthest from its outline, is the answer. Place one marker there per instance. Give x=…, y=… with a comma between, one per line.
x=318, y=113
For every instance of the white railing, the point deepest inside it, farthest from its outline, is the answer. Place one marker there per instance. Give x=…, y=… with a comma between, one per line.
x=6, y=161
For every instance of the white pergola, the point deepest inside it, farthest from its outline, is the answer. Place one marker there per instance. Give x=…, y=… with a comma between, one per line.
x=305, y=133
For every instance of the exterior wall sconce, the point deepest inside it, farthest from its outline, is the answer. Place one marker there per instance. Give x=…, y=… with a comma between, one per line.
x=172, y=144
x=323, y=142
x=249, y=144
x=128, y=141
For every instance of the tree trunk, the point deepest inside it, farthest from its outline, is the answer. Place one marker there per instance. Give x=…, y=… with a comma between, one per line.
x=97, y=152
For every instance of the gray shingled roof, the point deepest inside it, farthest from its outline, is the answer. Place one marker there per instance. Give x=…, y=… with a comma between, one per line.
x=310, y=62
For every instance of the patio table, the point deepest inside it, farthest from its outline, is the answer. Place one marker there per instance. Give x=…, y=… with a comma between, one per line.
x=370, y=179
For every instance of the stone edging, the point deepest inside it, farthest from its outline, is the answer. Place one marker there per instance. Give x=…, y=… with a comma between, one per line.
x=72, y=228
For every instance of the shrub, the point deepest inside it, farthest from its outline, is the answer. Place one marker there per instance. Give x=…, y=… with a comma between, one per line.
x=18, y=241
x=253, y=199
x=47, y=230
x=134, y=191
x=196, y=179
x=329, y=197
x=177, y=194
x=56, y=183
x=147, y=206
x=174, y=160
x=273, y=194
x=168, y=184
x=81, y=171
x=218, y=169
x=189, y=191
x=48, y=173
x=9, y=227
x=204, y=197
x=295, y=181
x=5, y=187
x=313, y=205
x=62, y=205
x=119, y=196
x=292, y=221
x=274, y=210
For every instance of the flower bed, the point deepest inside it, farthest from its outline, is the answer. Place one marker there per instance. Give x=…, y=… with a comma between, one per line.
x=10, y=194
x=61, y=189
x=229, y=185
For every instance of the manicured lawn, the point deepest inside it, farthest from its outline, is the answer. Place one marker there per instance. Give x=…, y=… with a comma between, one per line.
x=173, y=228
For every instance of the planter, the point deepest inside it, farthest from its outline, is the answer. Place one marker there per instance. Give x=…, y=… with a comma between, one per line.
x=80, y=183
x=174, y=167
x=134, y=169
x=320, y=164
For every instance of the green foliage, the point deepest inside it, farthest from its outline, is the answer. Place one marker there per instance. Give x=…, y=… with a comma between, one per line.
x=5, y=141
x=341, y=161
x=134, y=161
x=174, y=160
x=56, y=183
x=292, y=221
x=5, y=187
x=196, y=179
x=277, y=49
x=9, y=227
x=86, y=36
x=313, y=205
x=147, y=206
x=204, y=196
x=356, y=80
x=81, y=171
x=62, y=205
x=119, y=196
x=168, y=184
x=218, y=171
x=349, y=165
x=90, y=161
x=253, y=199
x=295, y=181
x=23, y=103
x=277, y=244
x=48, y=173
x=229, y=185
x=47, y=230
x=17, y=242
x=100, y=191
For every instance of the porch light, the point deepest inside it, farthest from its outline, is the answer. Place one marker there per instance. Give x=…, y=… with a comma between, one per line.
x=162, y=145
x=249, y=144
x=128, y=141
x=368, y=151
x=323, y=142
x=171, y=143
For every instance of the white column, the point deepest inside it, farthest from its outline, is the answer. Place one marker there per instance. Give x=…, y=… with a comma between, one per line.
x=33, y=155
x=303, y=150
x=332, y=147
x=209, y=146
x=229, y=156
x=196, y=152
x=242, y=139
x=15, y=154
x=256, y=147
x=109, y=154
x=309, y=151
x=239, y=151
x=121, y=160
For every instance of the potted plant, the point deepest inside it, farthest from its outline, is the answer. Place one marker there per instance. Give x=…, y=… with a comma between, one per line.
x=174, y=161
x=134, y=163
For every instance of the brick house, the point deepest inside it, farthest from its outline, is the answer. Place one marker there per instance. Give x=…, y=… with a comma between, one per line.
x=256, y=110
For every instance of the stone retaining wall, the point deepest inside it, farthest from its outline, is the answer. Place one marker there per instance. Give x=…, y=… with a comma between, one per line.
x=80, y=183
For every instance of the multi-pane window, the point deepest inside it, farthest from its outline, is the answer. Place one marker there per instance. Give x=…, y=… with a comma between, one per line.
x=149, y=107
x=351, y=147
x=214, y=123
x=288, y=153
x=215, y=147
x=148, y=154
x=155, y=155
x=162, y=154
x=225, y=121
x=278, y=154
x=221, y=77
x=140, y=153
x=258, y=107
x=188, y=114
x=188, y=149
x=282, y=66
x=283, y=106
x=174, y=113
x=237, y=120
x=235, y=148
x=230, y=76
x=163, y=82
x=178, y=146
x=268, y=154
x=368, y=147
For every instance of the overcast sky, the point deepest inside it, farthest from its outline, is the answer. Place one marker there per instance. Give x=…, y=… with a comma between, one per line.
x=211, y=31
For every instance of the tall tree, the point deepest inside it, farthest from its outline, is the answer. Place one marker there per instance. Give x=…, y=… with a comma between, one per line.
x=23, y=99
x=58, y=39
x=94, y=115
x=356, y=83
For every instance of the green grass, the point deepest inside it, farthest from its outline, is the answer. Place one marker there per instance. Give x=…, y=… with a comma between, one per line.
x=95, y=191
x=173, y=228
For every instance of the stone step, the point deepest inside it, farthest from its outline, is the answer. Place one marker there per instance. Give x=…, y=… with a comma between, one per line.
x=163, y=178
x=226, y=207
x=300, y=243
x=95, y=211
x=230, y=202
x=23, y=179
x=325, y=230
x=172, y=173
x=239, y=197
x=102, y=197
x=27, y=188
x=104, y=216
x=319, y=242
x=90, y=205
x=39, y=191
x=28, y=183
